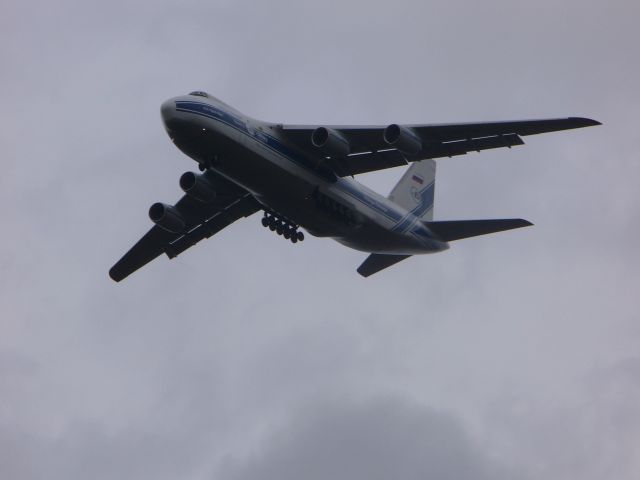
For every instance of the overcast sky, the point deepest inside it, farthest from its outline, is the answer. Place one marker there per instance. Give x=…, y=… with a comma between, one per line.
x=512, y=356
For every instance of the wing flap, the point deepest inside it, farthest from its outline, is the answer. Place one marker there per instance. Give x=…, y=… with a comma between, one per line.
x=242, y=207
x=457, y=131
x=461, y=147
x=367, y=162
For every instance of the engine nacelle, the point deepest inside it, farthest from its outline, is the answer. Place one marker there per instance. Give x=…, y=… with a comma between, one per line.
x=167, y=217
x=198, y=187
x=332, y=143
x=402, y=139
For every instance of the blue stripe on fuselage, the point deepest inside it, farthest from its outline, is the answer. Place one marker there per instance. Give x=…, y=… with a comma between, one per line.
x=426, y=196
x=208, y=110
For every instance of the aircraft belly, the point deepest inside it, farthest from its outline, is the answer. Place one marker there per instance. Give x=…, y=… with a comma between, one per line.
x=373, y=238
x=277, y=183
x=293, y=192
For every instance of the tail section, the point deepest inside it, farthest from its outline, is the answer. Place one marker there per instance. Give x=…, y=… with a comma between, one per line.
x=449, y=231
x=446, y=231
x=415, y=190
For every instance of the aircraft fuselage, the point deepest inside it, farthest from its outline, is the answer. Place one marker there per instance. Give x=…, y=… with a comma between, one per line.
x=292, y=182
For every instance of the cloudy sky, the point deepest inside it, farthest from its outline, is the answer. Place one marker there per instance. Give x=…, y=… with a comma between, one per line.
x=509, y=356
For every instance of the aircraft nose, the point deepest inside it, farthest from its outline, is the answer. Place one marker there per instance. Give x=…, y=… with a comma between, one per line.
x=167, y=111
x=171, y=118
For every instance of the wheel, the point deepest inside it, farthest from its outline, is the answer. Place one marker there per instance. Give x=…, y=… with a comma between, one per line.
x=279, y=230
x=300, y=236
x=287, y=234
x=265, y=222
x=294, y=239
x=272, y=227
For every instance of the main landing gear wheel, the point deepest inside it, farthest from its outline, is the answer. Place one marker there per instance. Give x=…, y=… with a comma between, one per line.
x=277, y=223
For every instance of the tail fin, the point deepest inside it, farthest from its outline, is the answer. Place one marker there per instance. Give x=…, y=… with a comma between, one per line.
x=458, y=229
x=415, y=190
x=376, y=262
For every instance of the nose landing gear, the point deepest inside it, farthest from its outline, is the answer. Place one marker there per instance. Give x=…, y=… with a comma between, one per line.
x=282, y=226
x=208, y=163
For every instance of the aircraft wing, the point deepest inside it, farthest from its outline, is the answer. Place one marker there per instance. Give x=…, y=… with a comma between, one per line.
x=202, y=220
x=370, y=152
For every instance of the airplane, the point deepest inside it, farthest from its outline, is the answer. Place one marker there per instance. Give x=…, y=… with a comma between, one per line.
x=302, y=176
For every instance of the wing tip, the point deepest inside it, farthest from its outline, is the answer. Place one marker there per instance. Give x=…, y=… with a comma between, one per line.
x=525, y=223
x=585, y=122
x=115, y=275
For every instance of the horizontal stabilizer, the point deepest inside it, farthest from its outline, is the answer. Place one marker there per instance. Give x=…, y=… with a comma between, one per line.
x=376, y=262
x=458, y=229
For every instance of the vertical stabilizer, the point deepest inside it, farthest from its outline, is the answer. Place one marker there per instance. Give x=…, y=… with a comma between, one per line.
x=416, y=189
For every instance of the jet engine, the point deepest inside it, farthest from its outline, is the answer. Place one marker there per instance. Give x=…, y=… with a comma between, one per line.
x=167, y=217
x=332, y=143
x=198, y=187
x=402, y=138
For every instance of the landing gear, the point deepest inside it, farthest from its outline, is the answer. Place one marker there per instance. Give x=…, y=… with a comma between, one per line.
x=208, y=163
x=282, y=226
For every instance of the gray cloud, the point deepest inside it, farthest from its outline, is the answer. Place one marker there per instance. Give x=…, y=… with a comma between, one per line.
x=376, y=440
x=592, y=436
x=525, y=339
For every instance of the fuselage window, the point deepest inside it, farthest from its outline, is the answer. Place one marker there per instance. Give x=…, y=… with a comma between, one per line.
x=200, y=94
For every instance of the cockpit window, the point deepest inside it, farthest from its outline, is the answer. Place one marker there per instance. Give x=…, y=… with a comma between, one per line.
x=200, y=94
